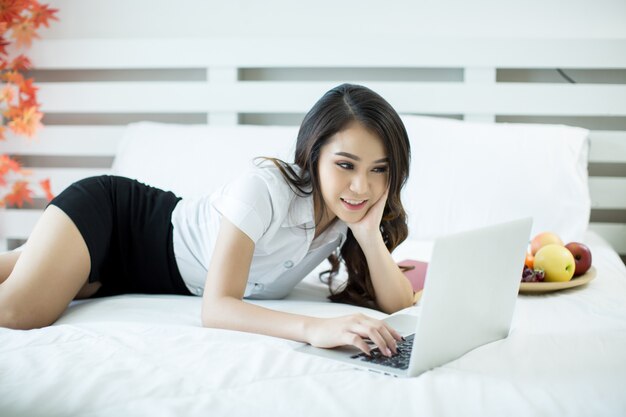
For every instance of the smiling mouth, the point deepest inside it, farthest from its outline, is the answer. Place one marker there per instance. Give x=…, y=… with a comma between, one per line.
x=353, y=204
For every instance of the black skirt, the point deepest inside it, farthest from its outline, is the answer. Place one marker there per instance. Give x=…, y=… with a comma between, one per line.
x=128, y=231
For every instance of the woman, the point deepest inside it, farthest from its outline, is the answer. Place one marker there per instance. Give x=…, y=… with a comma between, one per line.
x=255, y=238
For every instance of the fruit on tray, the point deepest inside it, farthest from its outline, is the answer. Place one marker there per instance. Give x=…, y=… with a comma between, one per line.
x=549, y=260
x=582, y=257
x=556, y=261
x=543, y=239
x=532, y=275
x=529, y=261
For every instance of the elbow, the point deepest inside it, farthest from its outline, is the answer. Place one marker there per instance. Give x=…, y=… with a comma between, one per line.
x=206, y=321
x=216, y=311
x=399, y=304
x=207, y=314
x=210, y=318
x=212, y=321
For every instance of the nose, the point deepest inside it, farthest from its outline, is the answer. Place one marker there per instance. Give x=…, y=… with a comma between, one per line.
x=359, y=184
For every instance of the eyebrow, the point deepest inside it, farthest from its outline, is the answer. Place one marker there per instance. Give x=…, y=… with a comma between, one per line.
x=356, y=158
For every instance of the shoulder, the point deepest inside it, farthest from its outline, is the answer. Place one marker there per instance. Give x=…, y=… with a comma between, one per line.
x=258, y=198
x=265, y=178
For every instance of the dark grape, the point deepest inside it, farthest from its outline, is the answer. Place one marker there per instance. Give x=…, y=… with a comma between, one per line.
x=527, y=274
x=532, y=275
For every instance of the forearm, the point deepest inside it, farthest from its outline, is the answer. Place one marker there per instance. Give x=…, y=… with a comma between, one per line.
x=233, y=314
x=393, y=290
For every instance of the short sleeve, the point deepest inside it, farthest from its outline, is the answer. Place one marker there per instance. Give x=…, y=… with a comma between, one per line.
x=247, y=204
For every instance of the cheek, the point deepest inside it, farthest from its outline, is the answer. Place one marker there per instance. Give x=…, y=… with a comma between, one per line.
x=325, y=182
x=380, y=184
x=330, y=185
x=331, y=178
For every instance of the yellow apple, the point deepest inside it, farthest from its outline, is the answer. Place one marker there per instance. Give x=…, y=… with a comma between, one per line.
x=543, y=239
x=556, y=261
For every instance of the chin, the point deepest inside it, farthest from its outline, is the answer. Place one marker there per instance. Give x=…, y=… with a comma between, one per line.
x=351, y=216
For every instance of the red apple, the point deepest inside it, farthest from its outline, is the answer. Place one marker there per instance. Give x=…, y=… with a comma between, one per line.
x=582, y=257
x=543, y=239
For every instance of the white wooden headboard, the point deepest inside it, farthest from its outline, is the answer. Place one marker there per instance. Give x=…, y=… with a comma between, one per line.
x=90, y=89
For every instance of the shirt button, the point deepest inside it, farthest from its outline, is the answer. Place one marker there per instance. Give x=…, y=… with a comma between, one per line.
x=288, y=264
x=198, y=291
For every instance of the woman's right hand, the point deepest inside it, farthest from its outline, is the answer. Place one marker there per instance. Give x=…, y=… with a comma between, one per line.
x=353, y=330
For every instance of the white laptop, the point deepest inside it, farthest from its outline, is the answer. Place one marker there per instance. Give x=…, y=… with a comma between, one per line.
x=471, y=286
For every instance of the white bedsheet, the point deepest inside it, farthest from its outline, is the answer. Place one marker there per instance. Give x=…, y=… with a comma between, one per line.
x=148, y=355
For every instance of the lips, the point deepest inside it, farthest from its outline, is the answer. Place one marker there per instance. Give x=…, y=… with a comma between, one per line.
x=353, y=204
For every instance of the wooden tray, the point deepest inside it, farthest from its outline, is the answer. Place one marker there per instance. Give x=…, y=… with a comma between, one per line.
x=543, y=287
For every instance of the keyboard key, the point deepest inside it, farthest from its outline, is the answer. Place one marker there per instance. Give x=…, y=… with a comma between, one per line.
x=399, y=360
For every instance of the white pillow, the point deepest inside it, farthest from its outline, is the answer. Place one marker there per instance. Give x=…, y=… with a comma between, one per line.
x=193, y=160
x=466, y=175
x=463, y=175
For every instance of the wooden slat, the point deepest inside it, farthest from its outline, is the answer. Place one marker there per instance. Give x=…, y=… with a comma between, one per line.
x=214, y=97
x=61, y=178
x=615, y=234
x=607, y=192
x=67, y=140
x=480, y=77
x=329, y=52
x=608, y=216
x=406, y=97
x=607, y=146
x=17, y=224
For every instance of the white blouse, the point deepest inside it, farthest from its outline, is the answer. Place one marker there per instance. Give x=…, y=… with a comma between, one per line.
x=280, y=223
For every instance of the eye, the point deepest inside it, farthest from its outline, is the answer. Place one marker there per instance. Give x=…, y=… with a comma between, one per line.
x=381, y=170
x=345, y=165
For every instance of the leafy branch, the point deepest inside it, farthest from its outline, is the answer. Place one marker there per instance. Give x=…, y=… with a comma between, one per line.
x=19, y=22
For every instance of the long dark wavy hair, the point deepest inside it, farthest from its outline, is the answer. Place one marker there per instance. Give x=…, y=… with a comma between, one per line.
x=334, y=112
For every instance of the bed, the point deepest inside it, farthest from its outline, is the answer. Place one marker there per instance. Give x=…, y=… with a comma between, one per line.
x=148, y=355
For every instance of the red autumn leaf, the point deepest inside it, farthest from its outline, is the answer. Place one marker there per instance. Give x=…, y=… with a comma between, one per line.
x=28, y=94
x=19, y=194
x=12, y=112
x=7, y=94
x=41, y=14
x=45, y=185
x=27, y=123
x=10, y=10
x=21, y=63
x=8, y=164
x=27, y=87
x=23, y=33
x=13, y=77
x=3, y=45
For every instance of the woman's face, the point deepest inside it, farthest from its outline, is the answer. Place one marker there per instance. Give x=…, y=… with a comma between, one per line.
x=353, y=171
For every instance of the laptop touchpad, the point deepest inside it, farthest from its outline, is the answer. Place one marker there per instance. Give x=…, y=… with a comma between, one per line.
x=402, y=323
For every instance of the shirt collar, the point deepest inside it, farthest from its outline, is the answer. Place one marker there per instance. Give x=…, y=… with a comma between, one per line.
x=338, y=228
x=300, y=212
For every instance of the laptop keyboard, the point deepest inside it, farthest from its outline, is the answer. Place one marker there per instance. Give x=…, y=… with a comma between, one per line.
x=399, y=361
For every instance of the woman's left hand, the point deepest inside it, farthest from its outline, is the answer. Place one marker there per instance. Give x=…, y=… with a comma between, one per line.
x=369, y=225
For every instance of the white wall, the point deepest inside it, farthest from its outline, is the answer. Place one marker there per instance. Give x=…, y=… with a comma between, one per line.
x=348, y=18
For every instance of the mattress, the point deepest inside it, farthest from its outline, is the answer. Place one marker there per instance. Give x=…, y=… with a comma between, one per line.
x=149, y=355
